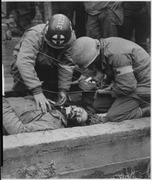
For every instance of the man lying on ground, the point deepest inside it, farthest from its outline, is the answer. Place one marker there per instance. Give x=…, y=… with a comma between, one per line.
x=20, y=115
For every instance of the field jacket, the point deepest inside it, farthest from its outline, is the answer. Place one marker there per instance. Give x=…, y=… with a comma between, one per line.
x=20, y=116
x=33, y=51
x=128, y=66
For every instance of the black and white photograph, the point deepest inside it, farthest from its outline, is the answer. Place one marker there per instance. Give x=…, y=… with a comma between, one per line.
x=76, y=89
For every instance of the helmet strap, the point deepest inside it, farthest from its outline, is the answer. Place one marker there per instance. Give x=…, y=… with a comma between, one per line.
x=43, y=34
x=45, y=28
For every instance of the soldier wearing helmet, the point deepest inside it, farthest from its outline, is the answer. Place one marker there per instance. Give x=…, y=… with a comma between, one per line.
x=126, y=66
x=42, y=60
x=58, y=31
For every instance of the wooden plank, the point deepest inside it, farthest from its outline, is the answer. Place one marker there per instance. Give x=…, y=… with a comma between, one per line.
x=47, y=10
x=75, y=152
x=3, y=8
x=7, y=54
x=7, y=59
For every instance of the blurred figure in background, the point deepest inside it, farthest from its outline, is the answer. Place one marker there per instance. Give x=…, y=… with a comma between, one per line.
x=75, y=11
x=22, y=13
x=137, y=21
x=103, y=18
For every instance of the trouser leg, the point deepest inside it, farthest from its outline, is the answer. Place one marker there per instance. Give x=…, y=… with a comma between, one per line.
x=102, y=103
x=124, y=108
x=93, y=27
x=142, y=30
x=128, y=22
x=80, y=20
x=109, y=24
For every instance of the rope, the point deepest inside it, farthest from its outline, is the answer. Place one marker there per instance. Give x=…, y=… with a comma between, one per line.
x=73, y=92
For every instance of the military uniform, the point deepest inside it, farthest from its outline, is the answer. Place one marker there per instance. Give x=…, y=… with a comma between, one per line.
x=127, y=65
x=34, y=66
x=102, y=19
x=20, y=116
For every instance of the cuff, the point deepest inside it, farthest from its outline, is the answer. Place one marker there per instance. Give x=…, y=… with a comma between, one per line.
x=37, y=90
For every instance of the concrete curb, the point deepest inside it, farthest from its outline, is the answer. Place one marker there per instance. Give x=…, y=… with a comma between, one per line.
x=75, y=152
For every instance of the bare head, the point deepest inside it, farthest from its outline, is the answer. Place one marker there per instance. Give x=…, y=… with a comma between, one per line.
x=76, y=115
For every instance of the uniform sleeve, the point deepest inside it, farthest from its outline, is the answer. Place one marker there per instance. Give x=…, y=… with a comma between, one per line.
x=125, y=81
x=26, y=60
x=65, y=73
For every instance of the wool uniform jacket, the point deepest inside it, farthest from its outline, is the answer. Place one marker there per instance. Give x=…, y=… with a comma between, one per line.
x=20, y=115
x=33, y=51
x=128, y=66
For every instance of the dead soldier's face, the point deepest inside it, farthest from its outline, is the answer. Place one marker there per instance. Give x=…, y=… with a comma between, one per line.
x=78, y=113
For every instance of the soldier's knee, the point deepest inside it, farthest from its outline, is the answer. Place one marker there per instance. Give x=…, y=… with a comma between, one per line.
x=114, y=117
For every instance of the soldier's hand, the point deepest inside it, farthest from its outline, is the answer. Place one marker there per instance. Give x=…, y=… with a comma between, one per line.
x=41, y=102
x=103, y=91
x=62, y=97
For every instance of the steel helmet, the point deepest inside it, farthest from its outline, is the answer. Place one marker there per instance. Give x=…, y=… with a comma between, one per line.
x=84, y=51
x=58, y=31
